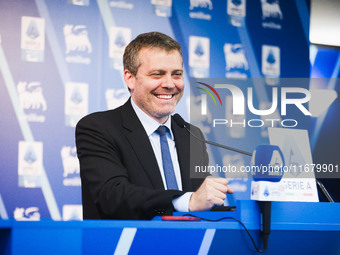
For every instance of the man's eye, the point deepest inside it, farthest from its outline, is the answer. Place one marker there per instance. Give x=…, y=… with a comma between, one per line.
x=156, y=75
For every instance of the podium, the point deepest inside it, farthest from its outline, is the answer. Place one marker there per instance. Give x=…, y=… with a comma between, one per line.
x=311, y=228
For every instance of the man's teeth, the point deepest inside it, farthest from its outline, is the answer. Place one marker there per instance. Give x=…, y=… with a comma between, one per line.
x=164, y=96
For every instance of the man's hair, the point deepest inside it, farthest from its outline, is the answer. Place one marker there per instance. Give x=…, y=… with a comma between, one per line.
x=147, y=40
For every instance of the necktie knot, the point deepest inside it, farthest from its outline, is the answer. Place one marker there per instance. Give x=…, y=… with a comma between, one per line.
x=161, y=130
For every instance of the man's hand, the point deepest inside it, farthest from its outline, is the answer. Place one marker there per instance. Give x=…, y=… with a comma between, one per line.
x=212, y=192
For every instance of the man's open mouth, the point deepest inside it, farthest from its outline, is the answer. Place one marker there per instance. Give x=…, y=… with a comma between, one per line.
x=164, y=96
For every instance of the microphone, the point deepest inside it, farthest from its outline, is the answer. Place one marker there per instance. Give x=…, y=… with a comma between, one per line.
x=267, y=165
x=181, y=122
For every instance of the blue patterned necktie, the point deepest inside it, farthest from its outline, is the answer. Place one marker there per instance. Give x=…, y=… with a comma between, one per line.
x=168, y=168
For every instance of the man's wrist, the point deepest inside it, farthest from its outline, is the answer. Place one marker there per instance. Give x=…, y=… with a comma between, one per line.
x=181, y=204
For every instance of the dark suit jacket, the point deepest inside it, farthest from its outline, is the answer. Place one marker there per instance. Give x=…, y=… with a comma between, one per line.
x=119, y=171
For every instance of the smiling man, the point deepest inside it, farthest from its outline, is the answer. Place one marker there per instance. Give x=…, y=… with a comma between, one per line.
x=158, y=85
x=135, y=160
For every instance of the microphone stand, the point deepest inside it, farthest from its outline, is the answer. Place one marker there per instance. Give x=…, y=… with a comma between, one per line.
x=322, y=189
x=265, y=211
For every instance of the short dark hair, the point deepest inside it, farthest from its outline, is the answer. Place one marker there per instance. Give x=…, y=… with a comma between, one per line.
x=147, y=40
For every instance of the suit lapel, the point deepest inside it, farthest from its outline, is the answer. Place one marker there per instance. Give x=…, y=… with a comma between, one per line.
x=141, y=145
x=182, y=142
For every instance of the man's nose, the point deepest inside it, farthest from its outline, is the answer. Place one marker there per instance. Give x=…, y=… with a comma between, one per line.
x=168, y=82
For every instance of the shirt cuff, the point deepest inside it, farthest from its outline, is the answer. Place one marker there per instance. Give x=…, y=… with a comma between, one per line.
x=181, y=204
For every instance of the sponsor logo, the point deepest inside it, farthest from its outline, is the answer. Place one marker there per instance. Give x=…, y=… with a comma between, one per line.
x=236, y=10
x=271, y=62
x=76, y=42
x=271, y=9
x=72, y=212
x=199, y=56
x=76, y=102
x=71, y=166
x=32, y=30
x=121, y=5
x=30, y=164
x=32, y=100
x=118, y=39
x=199, y=51
x=236, y=62
x=271, y=14
x=28, y=214
x=76, y=39
x=31, y=96
x=200, y=4
x=32, y=39
x=79, y=2
x=236, y=7
x=162, y=8
x=266, y=192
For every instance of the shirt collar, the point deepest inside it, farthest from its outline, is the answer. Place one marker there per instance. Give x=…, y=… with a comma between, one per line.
x=150, y=125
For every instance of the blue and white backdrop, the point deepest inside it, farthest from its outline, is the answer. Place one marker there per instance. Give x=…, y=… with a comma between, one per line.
x=61, y=60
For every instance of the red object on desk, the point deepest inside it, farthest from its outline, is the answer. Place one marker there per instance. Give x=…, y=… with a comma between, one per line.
x=180, y=218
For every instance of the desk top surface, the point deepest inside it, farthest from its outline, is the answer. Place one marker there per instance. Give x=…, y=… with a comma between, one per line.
x=285, y=216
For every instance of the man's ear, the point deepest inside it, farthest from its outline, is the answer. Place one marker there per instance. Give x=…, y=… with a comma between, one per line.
x=129, y=79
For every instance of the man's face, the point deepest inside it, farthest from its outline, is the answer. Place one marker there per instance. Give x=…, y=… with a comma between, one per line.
x=158, y=85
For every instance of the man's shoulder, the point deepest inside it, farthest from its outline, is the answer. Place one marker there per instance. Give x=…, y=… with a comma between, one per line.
x=101, y=116
x=104, y=118
x=107, y=116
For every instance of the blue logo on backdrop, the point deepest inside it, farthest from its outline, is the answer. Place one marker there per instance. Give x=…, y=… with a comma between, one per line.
x=237, y=2
x=199, y=49
x=120, y=41
x=74, y=216
x=266, y=192
x=30, y=156
x=271, y=58
x=236, y=10
x=32, y=30
x=76, y=96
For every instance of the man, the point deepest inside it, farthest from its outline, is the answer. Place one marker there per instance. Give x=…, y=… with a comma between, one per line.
x=121, y=156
